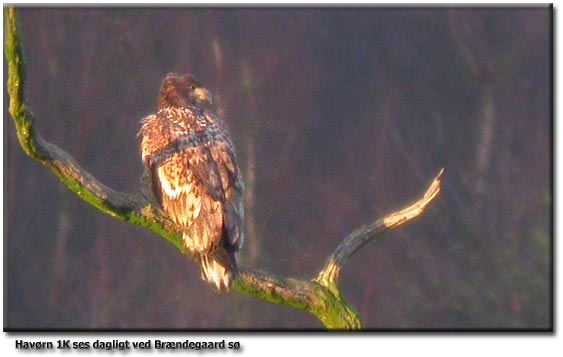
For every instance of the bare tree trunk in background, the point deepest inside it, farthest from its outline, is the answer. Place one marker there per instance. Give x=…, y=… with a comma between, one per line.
x=251, y=132
x=484, y=147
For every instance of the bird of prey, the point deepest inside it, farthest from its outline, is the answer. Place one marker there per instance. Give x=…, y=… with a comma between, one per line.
x=193, y=176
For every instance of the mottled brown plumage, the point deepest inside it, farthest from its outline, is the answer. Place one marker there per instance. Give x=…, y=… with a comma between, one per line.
x=194, y=177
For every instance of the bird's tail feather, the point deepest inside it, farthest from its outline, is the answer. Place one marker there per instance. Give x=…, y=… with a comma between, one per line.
x=216, y=272
x=218, y=267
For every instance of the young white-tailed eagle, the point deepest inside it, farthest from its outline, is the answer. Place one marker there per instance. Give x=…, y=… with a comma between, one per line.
x=194, y=176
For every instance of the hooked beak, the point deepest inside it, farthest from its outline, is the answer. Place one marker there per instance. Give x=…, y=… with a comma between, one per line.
x=204, y=95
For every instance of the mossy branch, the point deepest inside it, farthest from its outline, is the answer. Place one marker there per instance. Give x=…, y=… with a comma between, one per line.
x=319, y=296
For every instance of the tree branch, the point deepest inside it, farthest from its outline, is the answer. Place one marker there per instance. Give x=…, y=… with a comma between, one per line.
x=357, y=239
x=135, y=209
x=320, y=296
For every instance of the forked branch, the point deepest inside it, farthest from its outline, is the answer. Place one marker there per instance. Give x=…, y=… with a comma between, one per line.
x=320, y=296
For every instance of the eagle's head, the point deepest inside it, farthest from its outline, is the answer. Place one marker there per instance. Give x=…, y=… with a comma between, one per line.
x=181, y=90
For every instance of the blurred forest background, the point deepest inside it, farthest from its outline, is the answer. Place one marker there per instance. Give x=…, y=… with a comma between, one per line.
x=339, y=116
